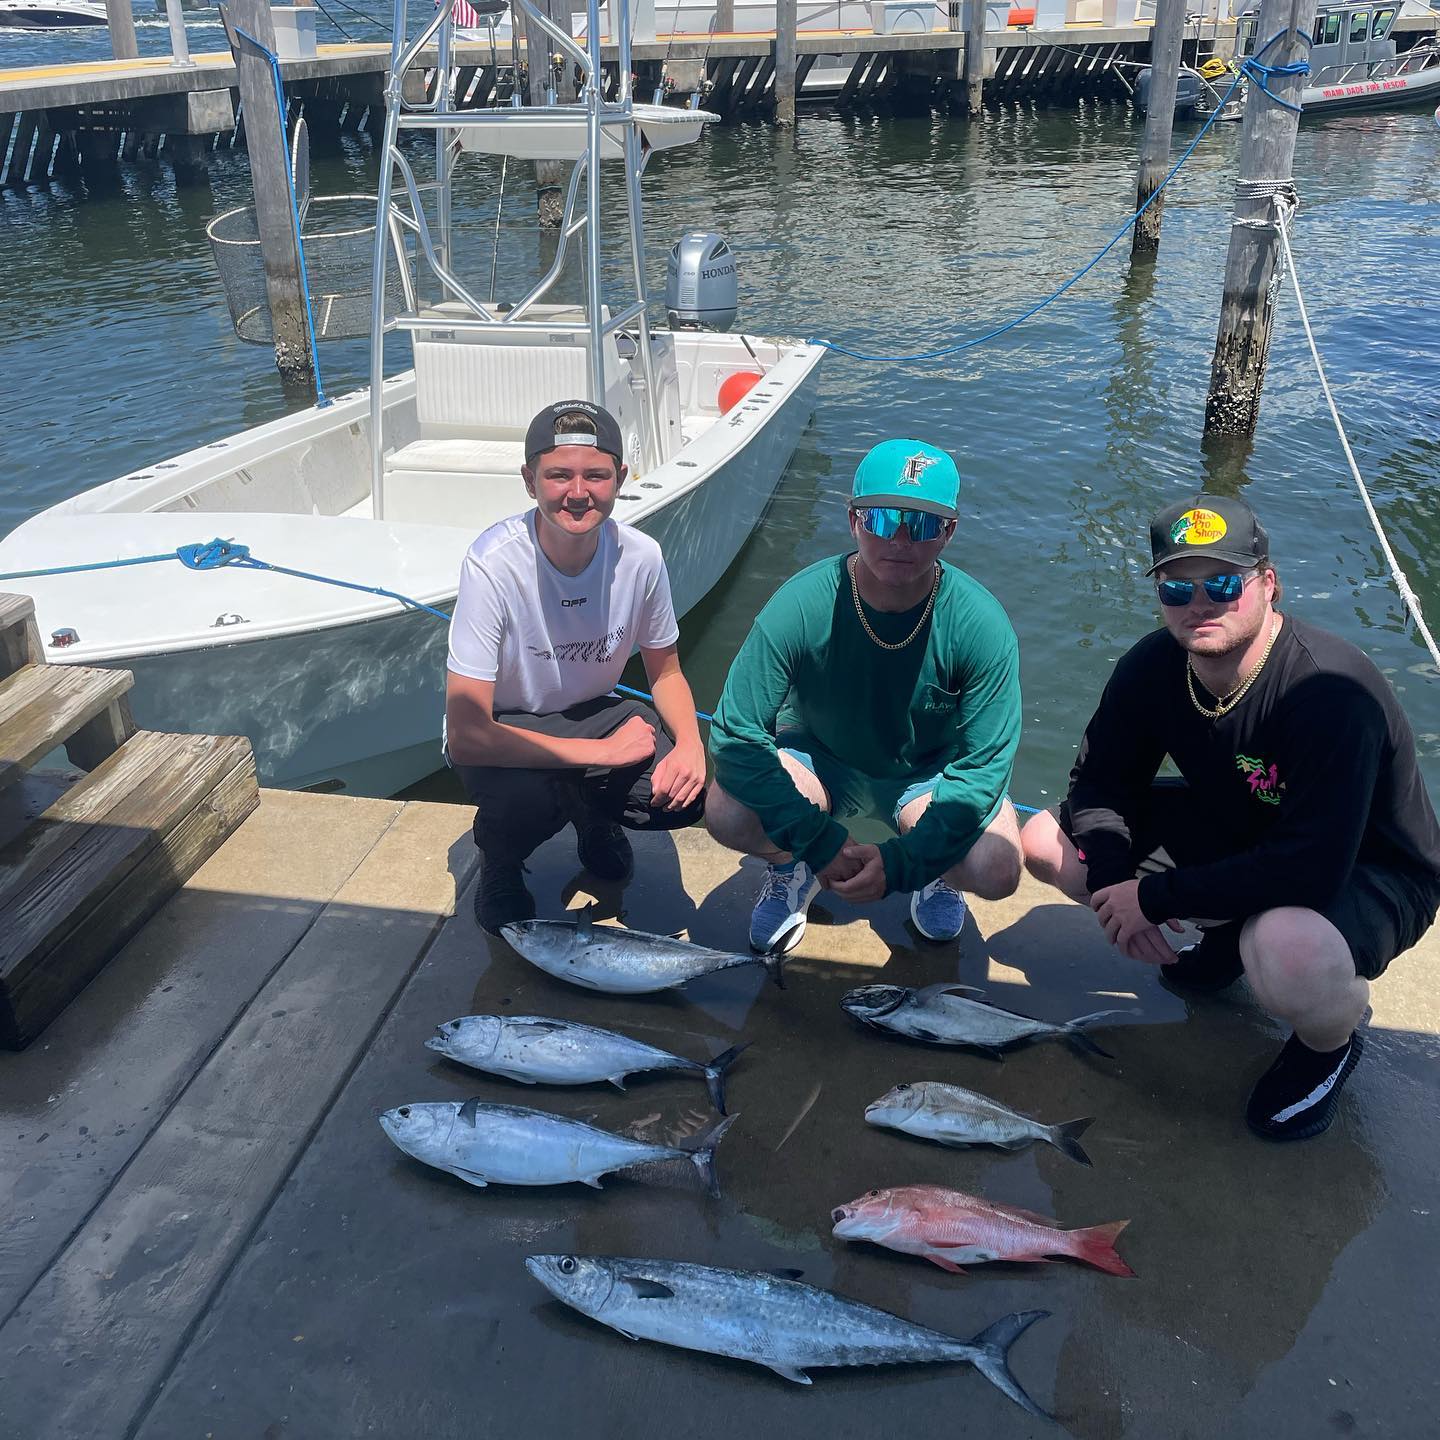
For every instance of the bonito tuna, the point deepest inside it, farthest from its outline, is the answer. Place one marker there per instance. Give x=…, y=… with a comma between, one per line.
x=942, y=1015
x=623, y=962
x=511, y=1145
x=535, y=1049
x=956, y=1116
x=768, y=1318
x=950, y=1228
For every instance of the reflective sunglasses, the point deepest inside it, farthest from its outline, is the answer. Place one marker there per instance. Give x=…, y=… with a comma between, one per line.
x=885, y=522
x=1220, y=588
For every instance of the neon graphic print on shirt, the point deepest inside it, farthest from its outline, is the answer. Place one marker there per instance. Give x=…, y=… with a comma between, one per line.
x=1264, y=780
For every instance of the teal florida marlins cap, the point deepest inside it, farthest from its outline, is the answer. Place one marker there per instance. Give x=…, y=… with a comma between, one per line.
x=910, y=475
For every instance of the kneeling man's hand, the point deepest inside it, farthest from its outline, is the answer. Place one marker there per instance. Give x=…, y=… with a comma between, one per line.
x=678, y=778
x=1125, y=925
x=867, y=879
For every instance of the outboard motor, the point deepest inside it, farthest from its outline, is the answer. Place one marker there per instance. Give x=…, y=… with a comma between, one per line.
x=701, y=283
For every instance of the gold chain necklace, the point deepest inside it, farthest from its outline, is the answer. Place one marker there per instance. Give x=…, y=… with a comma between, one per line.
x=920, y=625
x=1229, y=702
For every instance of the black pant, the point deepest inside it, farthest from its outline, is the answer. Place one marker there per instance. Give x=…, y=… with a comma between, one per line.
x=518, y=810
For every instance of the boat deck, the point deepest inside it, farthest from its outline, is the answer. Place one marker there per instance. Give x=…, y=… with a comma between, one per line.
x=208, y=1234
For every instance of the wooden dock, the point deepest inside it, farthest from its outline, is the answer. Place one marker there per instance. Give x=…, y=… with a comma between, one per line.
x=207, y=1233
x=88, y=855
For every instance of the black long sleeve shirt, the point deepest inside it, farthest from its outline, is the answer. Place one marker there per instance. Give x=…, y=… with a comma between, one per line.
x=1311, y=773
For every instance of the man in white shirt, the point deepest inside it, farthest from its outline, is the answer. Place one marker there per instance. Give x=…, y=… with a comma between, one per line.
x=552, y=603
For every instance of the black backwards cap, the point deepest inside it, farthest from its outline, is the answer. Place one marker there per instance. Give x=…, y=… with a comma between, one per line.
x=604, y=432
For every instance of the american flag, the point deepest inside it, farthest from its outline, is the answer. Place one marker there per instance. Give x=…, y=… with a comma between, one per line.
x=463, y=15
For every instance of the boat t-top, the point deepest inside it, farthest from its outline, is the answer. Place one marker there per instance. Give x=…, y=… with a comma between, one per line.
x=386, y=488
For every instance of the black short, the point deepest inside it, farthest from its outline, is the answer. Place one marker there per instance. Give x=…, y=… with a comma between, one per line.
x=1380, y=912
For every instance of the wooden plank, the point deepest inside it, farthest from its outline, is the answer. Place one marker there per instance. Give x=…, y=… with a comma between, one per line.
x=102, y=1327
x=79, y=883
x=42, y=706
x=156, y=1012
x=19, y=635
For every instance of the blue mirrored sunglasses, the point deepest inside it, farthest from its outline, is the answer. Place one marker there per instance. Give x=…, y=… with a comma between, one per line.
x=884, y=522
x=1220, y=588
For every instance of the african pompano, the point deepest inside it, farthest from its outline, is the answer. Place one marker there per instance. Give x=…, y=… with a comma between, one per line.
x=623, y=962
x=767, y=1318
x=955, y=1116
x=535, y=1048
x=950, y=1228
x=512, y=1145
x=942, y=1015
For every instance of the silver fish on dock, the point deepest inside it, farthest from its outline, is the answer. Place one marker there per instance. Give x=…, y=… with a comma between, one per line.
x=623, y=962
x=768, y=1318
x=512, y=1145
x=956, y=1116
x=942, y=1015
x=535, y=1049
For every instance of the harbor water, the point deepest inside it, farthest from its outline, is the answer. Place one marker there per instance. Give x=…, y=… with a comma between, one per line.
x=889, y=235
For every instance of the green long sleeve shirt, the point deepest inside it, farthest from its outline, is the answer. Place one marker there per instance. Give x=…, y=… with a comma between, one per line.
x=948, y=703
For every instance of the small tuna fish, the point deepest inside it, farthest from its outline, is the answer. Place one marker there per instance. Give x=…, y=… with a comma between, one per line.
x=623, y=962
x=942, y=1015
x=511, y=1145
x=954, y=1116
x=949, y=1228
x=767, y=1318
x=536, y=1049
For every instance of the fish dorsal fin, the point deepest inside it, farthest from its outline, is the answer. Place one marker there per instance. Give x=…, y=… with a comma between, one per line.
x=783, y=1273
x=1030, y=1215
x=468, y=1111
x=644, y=1289
x=948, y=987
x=536, y=1027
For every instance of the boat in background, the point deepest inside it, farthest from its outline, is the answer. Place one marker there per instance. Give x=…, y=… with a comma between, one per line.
x=51, y=14
x=386, y=488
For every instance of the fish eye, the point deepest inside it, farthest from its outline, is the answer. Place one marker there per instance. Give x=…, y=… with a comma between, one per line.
x=872, y=1195
x=566, y=1265
x=454, y=1024
x=403, y=1112
x=901, y=1089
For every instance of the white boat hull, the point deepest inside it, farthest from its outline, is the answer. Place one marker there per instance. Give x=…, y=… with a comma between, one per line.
x=1385, y=92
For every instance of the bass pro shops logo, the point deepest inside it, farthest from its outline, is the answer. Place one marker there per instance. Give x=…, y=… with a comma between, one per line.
x=915, y=466
x=1198, y=527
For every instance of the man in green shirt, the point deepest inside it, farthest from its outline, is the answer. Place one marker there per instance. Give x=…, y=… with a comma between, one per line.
x=882, y=684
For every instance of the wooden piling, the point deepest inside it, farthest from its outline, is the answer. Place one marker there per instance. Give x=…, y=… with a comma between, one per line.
x=974, y=72
x=1267, y=152
x=1166, y=39
x=785, y=61
x=267, y=145
x=551, y=176
x=121, y=20
x=724, y=17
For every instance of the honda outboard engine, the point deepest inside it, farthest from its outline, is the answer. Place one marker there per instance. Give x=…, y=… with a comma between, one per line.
x=701, y=283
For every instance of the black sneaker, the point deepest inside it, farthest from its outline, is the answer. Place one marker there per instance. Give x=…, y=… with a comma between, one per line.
x=1208, y=966
x=1297, y=1096
x=604, y=850
x=501, y=897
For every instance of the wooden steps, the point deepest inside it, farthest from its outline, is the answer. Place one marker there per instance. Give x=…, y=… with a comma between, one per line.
x=86, y=872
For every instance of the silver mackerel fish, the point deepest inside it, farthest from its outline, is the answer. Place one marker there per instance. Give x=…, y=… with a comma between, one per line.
x=623, y=962
x=512, y=1145
x=535, y=1049
x=767, y=1317
x=956, y=1116
x=948, y=1015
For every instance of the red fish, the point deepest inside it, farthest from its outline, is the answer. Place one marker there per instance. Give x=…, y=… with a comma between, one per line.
x=948, y=1227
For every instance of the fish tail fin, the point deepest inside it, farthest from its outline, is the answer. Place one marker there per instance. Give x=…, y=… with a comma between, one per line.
x=715, y=1073
x=774, y=963
x=1065, y=1137
x=989, y=1352
x=1076, y=1036
x=703, y=1156
x=1095, y=1245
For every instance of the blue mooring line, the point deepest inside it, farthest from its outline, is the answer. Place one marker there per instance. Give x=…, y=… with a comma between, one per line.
x=1249, y=66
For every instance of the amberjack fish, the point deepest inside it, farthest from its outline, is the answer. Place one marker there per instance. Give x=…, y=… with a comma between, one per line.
x=941, y=1015
x=956, y=1116
x=623, y=962
x=512, y=1145
x=535, y=1049
x=769, y=1318
x=951, y=1229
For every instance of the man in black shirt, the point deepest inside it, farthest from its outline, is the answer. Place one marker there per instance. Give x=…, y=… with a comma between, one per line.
x=1299, y=832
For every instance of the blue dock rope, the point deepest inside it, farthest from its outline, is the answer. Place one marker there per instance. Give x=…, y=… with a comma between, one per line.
x=1251, y=67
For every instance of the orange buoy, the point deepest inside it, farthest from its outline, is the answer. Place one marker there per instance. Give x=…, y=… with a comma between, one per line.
x=734, y=388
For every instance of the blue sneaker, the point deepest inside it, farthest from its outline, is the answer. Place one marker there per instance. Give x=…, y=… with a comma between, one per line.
x=938, y=911
x=778, y=919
